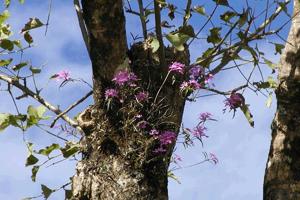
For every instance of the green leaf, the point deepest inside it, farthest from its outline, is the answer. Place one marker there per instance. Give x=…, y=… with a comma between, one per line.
x=32, y=24
x=4, y=16
x=178, y=40
x=7, y=44
x=243, y=18
x=46, y=191
x=35, y=70
x=214, y=36
x=161, y=2
x=222, y=2
x=34, y=115
x=5, y=62
x=200, y=10
x=17, y=43
x=48, y=149
x=172, y=175
x=69, y=150
x=247, y=113
x=154, y=44
x=21, y=1
x=252, y=52
x=270, y=83
x=5, y=32
x=28, y=37
x=19, y=66
x=227, y=16
x=34, y=172
x=278, y=48
x=206, y=58
x=4, y=121
x=272, y=65
x=31, y=160
x=187, y=30
x=269, y=100
x=6, y=3
x=7, y=119
x=172, y=10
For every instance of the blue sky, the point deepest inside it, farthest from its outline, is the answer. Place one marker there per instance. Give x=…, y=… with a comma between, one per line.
x=242, y=151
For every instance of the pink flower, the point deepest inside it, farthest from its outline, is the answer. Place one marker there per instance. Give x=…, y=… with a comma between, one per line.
x=142, y=96
x=110, y=93
x=208, y=78
x=123, y=77
x=63, y=75
x=234, y=101
x=154, y=132
x=195, y=72
x=177, y=158
x=199, y=131
x=205, y=116
x=177, y=67
x=167, y=137
x=160, y=150
x=191, y=85
x=213, y=158
x=142, y=124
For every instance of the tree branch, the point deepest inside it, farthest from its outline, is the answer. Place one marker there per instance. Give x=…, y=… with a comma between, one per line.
x=37, y=97
x=71, y=107
x=82, y=25
x=162, y=59
x=187, y=12
x=143, y=18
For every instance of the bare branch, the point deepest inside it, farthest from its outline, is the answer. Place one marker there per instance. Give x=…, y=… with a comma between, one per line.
x=82, y=25
x=162, y=59
x=71, y=107
x=143, y=18
x=187, y=12
x=37, y=97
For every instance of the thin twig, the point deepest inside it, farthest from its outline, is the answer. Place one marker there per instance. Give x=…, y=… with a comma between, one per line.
x=48, y=17
x=70, y=108
x=50, y=133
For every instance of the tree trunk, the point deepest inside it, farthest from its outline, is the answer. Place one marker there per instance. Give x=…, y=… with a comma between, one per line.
x=118, y=160
x=282, y=177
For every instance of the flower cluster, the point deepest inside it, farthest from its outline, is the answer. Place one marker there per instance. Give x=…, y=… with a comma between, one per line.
x=142, y=96
x=197, y=78
x=205, y=116
x=125, y=77
x=177, y=67
x=199, y=131
x=110, y=93
x=165, y=138
x=234, y=101
x=190, y=85
x=195, y=72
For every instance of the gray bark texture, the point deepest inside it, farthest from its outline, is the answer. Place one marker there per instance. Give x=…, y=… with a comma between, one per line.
x=118, y=161
x=282, y=177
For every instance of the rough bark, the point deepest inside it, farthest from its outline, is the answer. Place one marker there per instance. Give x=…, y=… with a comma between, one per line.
x=282, y=177
x=118, y=160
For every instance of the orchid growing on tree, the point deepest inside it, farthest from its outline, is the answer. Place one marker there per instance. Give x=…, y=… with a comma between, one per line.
x=125, y=141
